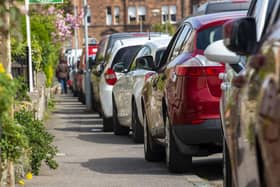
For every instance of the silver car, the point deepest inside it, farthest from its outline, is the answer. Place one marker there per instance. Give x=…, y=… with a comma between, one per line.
x=127, y=110
x=120, y=57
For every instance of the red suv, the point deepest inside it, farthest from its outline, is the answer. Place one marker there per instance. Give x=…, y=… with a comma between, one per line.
x=181, y=100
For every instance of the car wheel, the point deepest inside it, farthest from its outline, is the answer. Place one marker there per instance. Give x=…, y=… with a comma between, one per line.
x=175, y=161
x=118, y=129
x=153, y=152
x=137, y=129
x=83, y=98
x=107, y=124
x=227, y=166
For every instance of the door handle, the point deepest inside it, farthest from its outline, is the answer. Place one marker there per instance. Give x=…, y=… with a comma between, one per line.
x=174, y=76
x=225, y=86
x=223, y=76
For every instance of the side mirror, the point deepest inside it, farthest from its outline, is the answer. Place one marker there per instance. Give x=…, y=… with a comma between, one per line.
x=145, y=62
x=218, y=52
x=120, y=67
x=240, y=35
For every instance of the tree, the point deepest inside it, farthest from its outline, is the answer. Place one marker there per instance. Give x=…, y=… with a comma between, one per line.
x=167, y=27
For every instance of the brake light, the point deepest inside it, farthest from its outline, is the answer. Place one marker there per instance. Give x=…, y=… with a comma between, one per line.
x=148, y=75
x=198, y=70
x=110, y=76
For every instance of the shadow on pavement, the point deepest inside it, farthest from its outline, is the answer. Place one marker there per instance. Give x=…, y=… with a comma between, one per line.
x=80, y=117
x=125, y=166
x=80, y=122
x=80, y=129
x=208, y=168
x=70, y=111
x=106, y=138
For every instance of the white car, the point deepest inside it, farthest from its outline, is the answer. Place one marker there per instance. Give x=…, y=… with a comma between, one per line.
x=127, y=110
x=121, y=55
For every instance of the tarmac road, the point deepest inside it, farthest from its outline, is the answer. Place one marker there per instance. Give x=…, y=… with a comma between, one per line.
x=89, y=157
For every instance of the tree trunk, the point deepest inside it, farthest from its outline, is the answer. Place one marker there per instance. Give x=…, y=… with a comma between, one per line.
x=11, y=175
x=5, y=57
x=7, y=176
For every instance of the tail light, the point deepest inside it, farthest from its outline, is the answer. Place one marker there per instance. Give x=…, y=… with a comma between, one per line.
x=148, y=75
x=110, y=77
x=199, y=70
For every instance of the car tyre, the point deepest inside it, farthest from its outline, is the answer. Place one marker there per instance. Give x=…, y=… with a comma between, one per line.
x=137, y=128
x=175, y=161
x=107, y=124
x=118, y=129
x=226, y=166
x=153, y=151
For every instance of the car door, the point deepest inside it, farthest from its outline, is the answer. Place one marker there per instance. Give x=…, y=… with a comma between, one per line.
x=231, y=103
x=260, y=106
x=268, y=104
x=160, y=80
x=122, y=89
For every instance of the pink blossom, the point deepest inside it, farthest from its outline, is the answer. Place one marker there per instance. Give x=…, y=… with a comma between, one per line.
x=65, y=23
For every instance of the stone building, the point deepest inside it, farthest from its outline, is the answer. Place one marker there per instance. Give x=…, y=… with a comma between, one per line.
x=110, y=16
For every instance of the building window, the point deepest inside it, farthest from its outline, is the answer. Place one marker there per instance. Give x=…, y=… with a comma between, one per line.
x=141, y=12
x=172, y=14
x=108, y=16
x=116, y=15
x=131, y=15
x=168, y=14
x=164, y=14
x=194, y=8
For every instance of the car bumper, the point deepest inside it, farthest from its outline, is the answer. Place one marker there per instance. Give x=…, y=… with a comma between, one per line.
x=197, y=139
x=106, y=101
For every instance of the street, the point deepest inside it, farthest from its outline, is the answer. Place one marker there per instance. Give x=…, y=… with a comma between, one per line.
x=89, y=157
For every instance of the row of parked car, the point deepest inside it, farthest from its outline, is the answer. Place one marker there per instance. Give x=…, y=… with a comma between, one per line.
x=212, y=87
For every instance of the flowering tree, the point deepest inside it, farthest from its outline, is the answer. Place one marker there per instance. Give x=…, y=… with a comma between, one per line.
x=65, y=23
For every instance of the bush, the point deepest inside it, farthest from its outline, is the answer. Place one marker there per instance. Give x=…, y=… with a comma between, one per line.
x=39, y=140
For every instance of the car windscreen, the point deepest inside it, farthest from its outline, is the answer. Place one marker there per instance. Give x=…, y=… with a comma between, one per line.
x=208, y=36
x=226, y=6
x=126, y=55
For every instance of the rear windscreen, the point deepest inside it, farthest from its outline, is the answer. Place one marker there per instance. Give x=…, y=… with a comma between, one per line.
x=223, y=7
x=125, y=55
x=208, y=36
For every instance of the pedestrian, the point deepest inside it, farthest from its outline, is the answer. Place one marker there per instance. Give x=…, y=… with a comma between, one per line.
x=62, y=74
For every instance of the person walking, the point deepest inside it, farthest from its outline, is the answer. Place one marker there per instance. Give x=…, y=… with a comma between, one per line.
x=62, y=73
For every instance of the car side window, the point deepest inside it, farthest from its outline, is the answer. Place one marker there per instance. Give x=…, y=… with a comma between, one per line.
x=262, y=11
x=188, y=45
x=179, y=42
x=145, y=51
x=164, y=60
x=100, y=56
x=270, y=8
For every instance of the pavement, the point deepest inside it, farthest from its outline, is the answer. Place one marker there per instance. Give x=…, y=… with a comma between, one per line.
x=89, y=157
